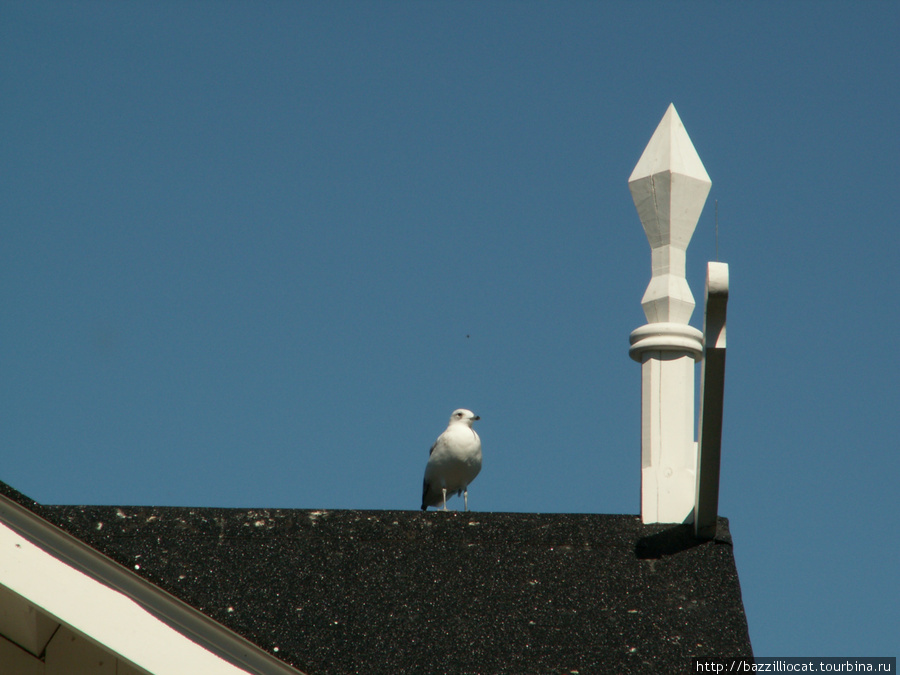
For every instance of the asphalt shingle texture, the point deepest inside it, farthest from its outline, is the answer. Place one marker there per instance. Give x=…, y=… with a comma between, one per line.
x=334, y=592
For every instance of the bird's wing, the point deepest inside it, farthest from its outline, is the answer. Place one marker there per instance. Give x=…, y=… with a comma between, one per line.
x=425, y=486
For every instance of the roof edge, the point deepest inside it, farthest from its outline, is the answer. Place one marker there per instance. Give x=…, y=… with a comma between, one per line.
x=175, y=613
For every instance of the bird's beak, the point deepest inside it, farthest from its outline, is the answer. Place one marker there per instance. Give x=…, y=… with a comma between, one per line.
x=477, y=417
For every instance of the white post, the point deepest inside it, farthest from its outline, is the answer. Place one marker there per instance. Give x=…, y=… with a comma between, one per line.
x=669, y=186
x=712, y=399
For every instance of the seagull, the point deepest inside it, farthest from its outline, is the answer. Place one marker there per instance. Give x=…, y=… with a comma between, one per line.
x=454, y=461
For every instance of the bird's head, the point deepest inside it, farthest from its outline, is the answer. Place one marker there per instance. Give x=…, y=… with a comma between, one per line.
x=463, y=416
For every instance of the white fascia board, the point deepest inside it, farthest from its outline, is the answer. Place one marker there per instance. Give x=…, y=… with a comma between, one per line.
x=116, y=608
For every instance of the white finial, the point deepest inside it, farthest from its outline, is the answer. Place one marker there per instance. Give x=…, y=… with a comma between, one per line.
x=669, y=186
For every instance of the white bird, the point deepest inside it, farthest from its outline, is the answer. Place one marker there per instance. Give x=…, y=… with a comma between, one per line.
x=454, y=461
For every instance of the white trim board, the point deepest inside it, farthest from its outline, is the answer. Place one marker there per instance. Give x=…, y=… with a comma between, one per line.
x=125, y=614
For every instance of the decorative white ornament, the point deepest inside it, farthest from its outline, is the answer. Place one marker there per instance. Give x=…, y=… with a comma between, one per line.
x=669, y=187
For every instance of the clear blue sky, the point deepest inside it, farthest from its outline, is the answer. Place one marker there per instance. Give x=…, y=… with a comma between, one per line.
x=253, y=254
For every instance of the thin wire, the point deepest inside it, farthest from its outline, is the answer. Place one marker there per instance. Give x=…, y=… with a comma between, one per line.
x=717, y=230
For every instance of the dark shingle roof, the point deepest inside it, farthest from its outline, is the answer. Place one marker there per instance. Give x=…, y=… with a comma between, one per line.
x=412, y=592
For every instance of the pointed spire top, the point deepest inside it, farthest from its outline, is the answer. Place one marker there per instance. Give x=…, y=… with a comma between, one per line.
x=669, y=187
x=670, y=149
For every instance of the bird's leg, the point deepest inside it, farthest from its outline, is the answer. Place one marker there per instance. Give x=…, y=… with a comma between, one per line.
x=466, y=498
x=445, y=498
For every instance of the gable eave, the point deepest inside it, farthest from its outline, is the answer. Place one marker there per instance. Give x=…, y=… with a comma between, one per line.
x=114, y=607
